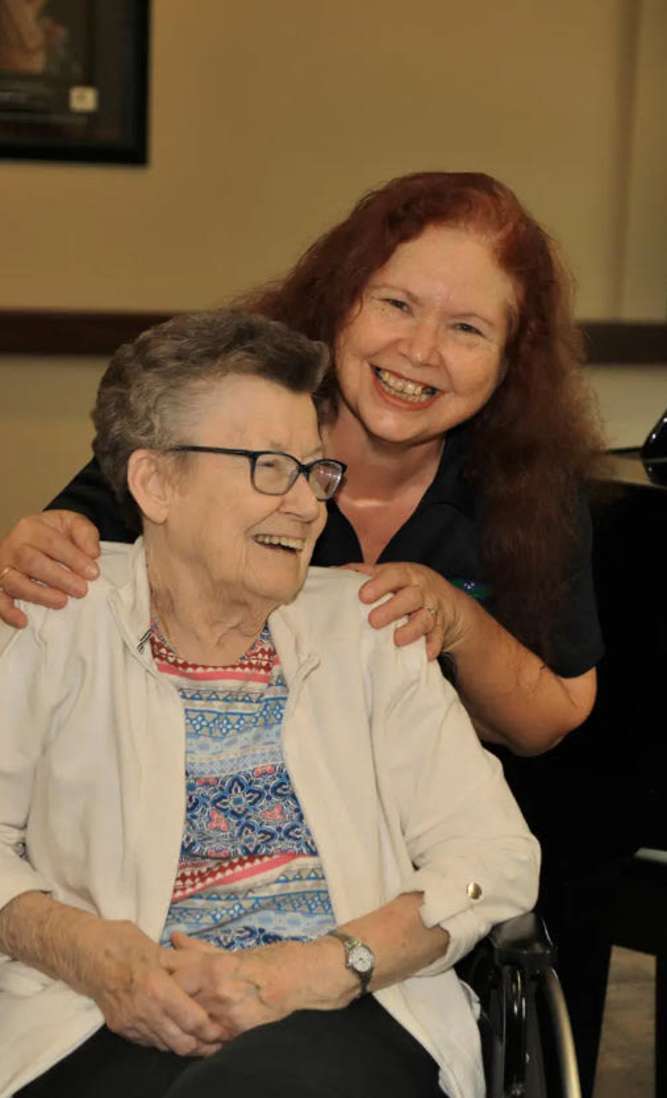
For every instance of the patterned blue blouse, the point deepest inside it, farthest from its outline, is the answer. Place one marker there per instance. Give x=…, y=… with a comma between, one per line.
x=249, y=872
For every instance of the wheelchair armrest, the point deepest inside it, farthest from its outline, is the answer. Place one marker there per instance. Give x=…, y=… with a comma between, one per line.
x=523, y=941
x=520, y=943
x=512, y=973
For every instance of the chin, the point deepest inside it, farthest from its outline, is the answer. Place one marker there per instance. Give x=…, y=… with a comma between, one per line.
x=281, y=593
x=400, y=434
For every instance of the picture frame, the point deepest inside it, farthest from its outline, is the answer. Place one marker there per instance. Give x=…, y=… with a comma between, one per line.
x=74, y=80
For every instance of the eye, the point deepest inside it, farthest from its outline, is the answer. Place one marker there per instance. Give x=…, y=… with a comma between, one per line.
x=270, y=461
x=397, y=303
x=469, y=329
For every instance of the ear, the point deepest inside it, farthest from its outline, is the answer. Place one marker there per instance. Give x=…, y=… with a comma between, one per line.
x=150, y=484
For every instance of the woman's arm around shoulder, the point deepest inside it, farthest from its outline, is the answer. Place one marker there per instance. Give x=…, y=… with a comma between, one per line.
x=514, y=698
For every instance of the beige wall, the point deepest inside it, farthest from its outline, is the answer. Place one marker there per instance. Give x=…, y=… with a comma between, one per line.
x=45, y=429
x=644, y=266
x=269, y=119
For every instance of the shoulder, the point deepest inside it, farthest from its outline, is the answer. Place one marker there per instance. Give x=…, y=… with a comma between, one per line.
x=53, y=627
x=116, y=563
x=330, y=596
x=325, y=583
x=330, y=613
x=328, y=605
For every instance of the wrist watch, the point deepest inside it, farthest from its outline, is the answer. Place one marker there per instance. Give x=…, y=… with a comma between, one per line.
x=359, y=957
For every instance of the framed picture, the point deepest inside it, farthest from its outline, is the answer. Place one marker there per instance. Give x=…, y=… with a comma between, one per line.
x=73, y=80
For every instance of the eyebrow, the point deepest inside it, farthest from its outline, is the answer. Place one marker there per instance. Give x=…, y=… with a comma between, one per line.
x=391, y=288
x=480, y=319
x=312, y=455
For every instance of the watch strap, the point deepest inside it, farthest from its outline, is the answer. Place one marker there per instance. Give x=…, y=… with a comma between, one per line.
x=350, y=943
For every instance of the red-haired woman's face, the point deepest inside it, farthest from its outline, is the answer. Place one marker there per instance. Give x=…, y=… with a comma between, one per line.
x=423, y=349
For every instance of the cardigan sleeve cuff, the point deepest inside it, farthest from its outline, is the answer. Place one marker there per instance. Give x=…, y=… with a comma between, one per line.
x=17, y=876
x=466, y=909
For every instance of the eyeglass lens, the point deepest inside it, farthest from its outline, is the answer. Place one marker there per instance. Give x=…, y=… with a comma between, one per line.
x=276, y=473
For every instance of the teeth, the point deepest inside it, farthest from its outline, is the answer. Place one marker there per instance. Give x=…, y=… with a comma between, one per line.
x=409, y=390
x=276, y=539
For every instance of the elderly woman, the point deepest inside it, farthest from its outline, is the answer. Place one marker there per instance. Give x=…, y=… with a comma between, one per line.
x=458, y=406
x=215, y=751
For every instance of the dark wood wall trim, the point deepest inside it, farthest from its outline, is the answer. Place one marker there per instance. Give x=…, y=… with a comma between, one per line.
x=37, y=332
x=618, y=342
x=47, y=332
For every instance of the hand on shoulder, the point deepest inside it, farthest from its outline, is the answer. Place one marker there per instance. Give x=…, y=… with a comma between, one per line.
x=433, y=607
x=45, y=559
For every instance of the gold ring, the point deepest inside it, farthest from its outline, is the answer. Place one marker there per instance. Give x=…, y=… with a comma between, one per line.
x=8, y=568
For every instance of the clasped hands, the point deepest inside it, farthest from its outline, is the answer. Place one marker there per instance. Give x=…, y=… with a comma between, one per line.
x=193, y=998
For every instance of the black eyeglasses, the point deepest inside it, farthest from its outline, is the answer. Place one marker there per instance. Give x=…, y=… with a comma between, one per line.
x=273, y=472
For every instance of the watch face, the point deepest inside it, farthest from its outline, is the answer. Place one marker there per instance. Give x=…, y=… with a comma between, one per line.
x=361, y=958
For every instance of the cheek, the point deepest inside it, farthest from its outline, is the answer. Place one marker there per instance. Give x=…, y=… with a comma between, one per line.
x=359, y=338
x=482, y=376
x=320, y=524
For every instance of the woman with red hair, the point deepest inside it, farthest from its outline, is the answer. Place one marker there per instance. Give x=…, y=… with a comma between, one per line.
x=455, y=398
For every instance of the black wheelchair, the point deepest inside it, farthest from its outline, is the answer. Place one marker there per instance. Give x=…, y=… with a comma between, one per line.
x=527, y=1042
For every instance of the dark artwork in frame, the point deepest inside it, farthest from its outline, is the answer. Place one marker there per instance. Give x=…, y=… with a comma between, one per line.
x=73, y=80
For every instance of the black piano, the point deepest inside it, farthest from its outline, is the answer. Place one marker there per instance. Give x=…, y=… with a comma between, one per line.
x=601, y=794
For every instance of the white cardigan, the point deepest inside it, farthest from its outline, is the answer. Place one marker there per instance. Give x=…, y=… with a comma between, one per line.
x=393, y=782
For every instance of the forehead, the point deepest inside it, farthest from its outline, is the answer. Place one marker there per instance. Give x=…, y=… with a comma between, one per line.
x=450, y=262
x=254, y=413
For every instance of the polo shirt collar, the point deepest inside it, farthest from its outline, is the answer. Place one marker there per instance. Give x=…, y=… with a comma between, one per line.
x=449, y=484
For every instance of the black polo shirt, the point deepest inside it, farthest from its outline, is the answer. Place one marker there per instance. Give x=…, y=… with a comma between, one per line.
x=443, y=532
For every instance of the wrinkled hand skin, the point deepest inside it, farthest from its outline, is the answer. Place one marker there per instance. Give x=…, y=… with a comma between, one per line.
x=247, y=988
x=45, y=559
x=125, y=973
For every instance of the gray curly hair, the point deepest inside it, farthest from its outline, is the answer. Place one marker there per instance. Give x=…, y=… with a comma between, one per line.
x=155, y=388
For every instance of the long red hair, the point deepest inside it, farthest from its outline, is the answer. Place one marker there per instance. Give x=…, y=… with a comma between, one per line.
x=536, y=439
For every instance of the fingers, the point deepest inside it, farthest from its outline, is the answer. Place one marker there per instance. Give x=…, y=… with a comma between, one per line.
x=422, y=624
x=359, y=566
x=183, y=941
x=40, y=563
x=19, y=585
x=82, y=531
x=185, y=1027
x=47, y=542
x=161, y=1014
x=424, y=619
x=384, y=578
x=10, y=613
x=400, y=605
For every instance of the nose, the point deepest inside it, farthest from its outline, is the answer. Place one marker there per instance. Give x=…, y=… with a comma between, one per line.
x=300, y=500
x=423, y=344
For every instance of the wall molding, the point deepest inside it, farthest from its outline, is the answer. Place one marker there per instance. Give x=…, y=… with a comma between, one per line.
x=52, y=332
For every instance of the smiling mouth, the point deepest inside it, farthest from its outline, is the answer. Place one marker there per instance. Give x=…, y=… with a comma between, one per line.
x=410, y=391
x=280, y=542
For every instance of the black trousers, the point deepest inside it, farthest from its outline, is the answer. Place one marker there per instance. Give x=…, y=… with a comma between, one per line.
x=358, y=1052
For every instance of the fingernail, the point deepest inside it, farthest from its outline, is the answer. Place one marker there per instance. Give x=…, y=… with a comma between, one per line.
x=91, y=571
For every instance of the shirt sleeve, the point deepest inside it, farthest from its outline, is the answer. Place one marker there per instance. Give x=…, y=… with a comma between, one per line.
x=89, y=494
x=576, y=640
x=472, y=855
x=25, y=724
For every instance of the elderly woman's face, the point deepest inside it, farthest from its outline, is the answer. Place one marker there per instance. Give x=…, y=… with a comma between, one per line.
x=242, y=543
x=423, y=349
